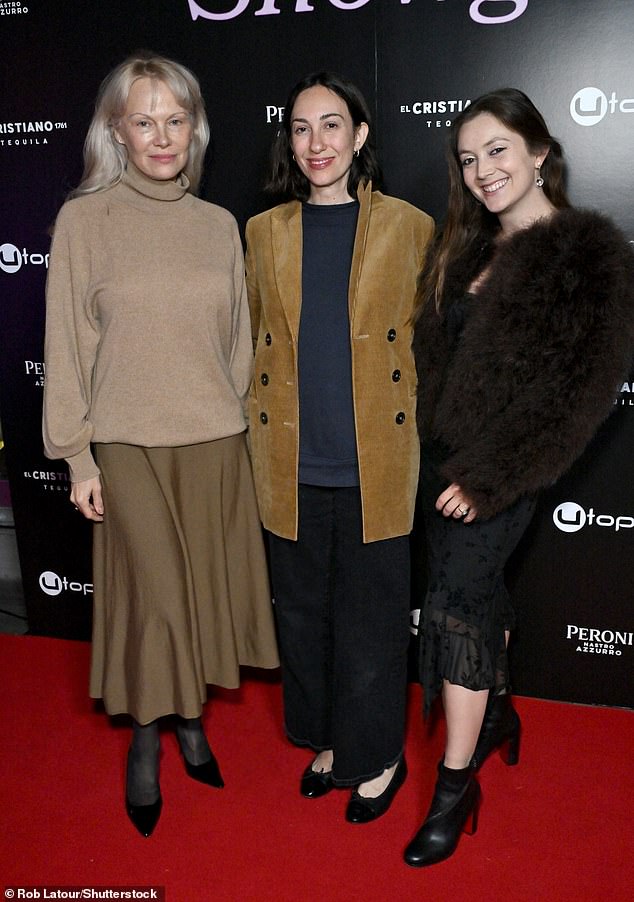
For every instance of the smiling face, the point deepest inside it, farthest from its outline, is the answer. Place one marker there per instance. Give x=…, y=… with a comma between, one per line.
x=155, y=129
x=323, y=141
x=500, y=171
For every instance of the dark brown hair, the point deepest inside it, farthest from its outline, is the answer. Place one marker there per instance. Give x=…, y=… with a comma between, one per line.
x=286, y=181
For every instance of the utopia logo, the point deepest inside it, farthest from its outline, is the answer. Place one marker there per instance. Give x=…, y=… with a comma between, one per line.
x=590, y=105
x=571, y=517
x=12, y=258
x=52, y=584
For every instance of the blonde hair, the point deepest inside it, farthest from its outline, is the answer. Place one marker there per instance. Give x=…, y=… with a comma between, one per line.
x=105, y=159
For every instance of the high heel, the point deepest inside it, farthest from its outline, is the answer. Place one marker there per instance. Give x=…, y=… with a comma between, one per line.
x=454, y=810
x=208, y=772
x=142, y=778
x=192, y=741
x=144, y=817
x=362, y=809
x=501, y=728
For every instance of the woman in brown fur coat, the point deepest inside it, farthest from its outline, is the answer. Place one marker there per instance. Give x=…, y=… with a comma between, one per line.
x=523, y=332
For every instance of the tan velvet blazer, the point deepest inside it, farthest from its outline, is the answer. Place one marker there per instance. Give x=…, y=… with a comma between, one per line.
x=390, y=244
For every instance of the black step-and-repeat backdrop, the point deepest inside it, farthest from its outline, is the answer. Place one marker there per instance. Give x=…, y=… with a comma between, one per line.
x=419, y=62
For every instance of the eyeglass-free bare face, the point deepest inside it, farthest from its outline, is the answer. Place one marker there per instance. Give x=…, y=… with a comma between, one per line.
x=323, y=141
x=155, y=129
x=500, y=171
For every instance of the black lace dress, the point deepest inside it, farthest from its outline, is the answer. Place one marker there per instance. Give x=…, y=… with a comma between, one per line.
x=467, y=608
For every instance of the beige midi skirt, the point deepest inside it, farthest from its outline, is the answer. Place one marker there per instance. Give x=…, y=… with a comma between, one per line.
x=180, y=580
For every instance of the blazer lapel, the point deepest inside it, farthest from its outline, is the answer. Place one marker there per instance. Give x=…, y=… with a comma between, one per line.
x=286, y=240
x=364, y=193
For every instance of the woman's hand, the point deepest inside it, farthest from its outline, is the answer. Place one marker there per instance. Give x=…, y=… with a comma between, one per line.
x=454, y=503
x=86, y=496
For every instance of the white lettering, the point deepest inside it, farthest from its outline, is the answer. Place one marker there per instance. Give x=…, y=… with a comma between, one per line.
x=482, y=19
x=592, y=636
x=197, y=11
x=351, y=4
x=274, y=113
x=270, y=8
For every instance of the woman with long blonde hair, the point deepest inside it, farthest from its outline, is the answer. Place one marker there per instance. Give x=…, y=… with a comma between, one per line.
x=149, y=360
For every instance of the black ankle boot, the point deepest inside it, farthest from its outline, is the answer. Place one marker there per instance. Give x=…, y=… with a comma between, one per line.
x=501, y=728
x=454, y=808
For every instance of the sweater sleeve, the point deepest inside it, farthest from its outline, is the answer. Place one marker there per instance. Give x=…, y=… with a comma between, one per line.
x=69, y=350
x=255, y=303
x=241, y=362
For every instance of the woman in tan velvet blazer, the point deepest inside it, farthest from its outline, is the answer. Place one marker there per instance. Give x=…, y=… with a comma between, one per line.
x=331, y=278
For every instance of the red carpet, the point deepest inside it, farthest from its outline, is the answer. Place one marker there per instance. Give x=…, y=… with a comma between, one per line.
x=557, y=827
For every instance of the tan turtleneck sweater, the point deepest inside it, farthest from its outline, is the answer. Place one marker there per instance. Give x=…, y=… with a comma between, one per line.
x=147, y=325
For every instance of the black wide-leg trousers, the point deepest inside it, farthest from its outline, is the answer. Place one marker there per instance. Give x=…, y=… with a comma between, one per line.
x=342, y=611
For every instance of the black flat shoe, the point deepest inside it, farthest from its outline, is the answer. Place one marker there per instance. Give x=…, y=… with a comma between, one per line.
x=144, y=817
x=361, y=809
x=313, y=785
x=208, y=772
x=452, y=811
x=501, y=729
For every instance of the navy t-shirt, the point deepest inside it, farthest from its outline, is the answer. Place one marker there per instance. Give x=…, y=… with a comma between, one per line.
x=327, y=441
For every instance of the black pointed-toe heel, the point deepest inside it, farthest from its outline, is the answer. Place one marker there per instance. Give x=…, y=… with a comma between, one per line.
x=362, y=809
x=142, y=777
x=144, y=817
x=453, y=810
x=315, y=784
x=208, y=772
x=501, y=729
x=192, y=739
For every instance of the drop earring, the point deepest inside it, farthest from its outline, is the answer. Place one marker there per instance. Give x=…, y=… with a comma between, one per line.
x=539, y=182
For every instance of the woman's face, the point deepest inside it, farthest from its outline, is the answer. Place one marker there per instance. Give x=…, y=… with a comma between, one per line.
x=499, y=169
x=155, y=129
x=323, y=141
